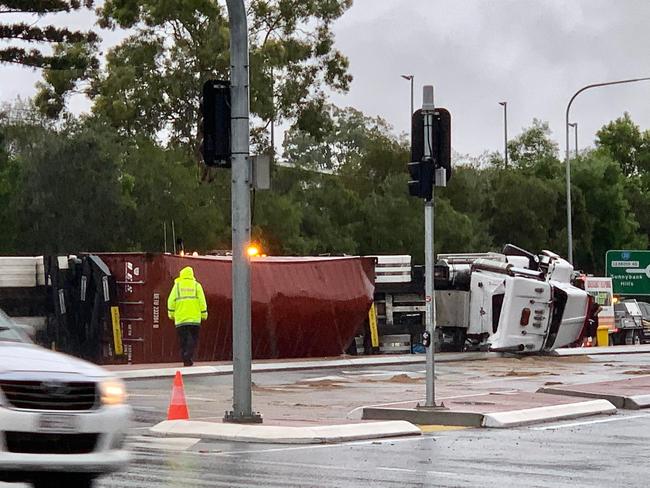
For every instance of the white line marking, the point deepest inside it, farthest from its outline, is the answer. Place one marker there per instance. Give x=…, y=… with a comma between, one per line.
x=591, y=422
x=414, y=471
x=147, y=395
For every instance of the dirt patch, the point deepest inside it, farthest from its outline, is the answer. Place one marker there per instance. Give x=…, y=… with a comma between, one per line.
x=325, y=384
x=639, y=372
x=404, y=378
x=553, y=383
x=514, y=373
x=574, y=359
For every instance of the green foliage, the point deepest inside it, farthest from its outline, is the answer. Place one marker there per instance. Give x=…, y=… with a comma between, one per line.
x=73, y=56
x=612, y=224
x=87, y=185
x=626, y=144
x=70, y=194
x=152, y=80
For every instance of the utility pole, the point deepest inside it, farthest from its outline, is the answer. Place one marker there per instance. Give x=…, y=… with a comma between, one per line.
x=428, y=108
x=505, y=131
x=241, y=291
x=430, y=166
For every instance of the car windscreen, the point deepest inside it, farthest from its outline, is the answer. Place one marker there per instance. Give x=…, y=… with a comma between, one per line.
x=8, y=331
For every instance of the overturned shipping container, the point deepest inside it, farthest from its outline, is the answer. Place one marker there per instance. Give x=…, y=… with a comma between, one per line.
x=301, y=307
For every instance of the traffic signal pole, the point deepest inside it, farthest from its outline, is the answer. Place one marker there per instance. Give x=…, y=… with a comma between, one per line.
x=428, y=108
x=241, y=218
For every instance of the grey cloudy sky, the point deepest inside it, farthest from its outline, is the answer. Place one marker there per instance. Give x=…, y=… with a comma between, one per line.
x=532, y=53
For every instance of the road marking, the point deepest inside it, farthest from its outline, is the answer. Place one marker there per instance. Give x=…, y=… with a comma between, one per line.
x=148, y=395
x=353, y=468
x=591, y=422
x=415, y=471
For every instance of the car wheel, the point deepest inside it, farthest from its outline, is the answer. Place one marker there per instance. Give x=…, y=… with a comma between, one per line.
x=65, y=480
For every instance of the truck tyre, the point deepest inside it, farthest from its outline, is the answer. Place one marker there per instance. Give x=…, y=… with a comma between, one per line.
x=632, y=337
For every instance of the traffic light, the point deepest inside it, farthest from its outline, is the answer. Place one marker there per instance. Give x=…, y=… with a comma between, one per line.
x=421, y=182
x=421, y=168
x=215, y=123
x=442, y=139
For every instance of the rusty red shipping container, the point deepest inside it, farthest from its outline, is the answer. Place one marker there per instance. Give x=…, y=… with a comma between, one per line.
x=301, y=307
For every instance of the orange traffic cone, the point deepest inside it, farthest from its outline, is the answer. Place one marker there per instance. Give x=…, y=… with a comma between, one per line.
x=178, y=405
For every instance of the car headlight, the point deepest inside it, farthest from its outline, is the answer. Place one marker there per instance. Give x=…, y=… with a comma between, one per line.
x=113, y=392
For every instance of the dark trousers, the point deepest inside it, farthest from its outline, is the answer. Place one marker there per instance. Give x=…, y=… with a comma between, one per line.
x=188, y=336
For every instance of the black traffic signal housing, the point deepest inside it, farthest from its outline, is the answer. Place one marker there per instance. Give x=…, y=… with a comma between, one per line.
x=421, y=170
x=421, y=181
x=215, y=124
x=442, y=139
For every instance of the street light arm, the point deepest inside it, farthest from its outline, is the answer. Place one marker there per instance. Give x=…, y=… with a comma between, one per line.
x=595, y=85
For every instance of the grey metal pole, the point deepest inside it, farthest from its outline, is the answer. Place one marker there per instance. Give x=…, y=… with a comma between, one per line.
x=430, y=302
x=566, y=160
x=568, y=193
x=428, y=108
x=505, y=131
x=241, y=293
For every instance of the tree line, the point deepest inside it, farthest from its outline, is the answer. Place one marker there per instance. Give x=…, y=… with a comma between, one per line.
x=110, y=180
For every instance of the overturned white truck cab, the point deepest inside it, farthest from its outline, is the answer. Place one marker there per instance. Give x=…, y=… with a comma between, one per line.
x=512, y=301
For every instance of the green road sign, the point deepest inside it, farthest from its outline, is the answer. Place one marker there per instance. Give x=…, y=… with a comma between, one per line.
x=630, y=271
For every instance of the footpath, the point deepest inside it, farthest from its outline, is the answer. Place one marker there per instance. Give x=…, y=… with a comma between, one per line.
x=372, y=397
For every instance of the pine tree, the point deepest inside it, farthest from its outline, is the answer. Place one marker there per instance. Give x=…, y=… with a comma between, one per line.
x=20, y=33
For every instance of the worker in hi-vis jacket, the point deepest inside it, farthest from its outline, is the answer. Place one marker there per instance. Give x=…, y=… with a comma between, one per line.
x=186, y=306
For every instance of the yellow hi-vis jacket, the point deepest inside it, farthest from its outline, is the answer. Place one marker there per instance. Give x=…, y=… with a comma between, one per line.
x=186, y=302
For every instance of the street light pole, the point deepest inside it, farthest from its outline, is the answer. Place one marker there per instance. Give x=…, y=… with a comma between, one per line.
x=567, y=161
x=575, y=131
x=241, y=217
x=505, y=131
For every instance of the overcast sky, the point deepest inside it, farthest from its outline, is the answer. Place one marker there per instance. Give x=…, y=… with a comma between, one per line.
x=532, y=53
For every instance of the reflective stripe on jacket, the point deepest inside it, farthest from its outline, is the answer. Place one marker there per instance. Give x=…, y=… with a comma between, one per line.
x=186, y=302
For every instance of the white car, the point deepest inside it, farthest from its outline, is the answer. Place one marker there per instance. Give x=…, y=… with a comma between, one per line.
x=63, y=421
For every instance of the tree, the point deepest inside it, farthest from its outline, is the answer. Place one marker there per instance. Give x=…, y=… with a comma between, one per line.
x=72, y=55
x=70, y=194
x=534, y=151
x=523, y=210
x=612, y=223
x=626, y=144
x=152, y=81
x=161, y=186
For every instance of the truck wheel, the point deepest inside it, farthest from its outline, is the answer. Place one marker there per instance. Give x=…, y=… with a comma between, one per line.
x=632, y=337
